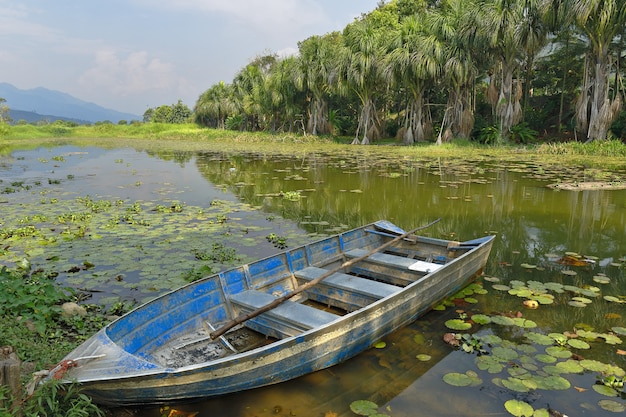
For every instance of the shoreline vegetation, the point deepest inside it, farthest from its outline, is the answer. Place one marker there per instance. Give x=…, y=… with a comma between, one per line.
x=606, y=159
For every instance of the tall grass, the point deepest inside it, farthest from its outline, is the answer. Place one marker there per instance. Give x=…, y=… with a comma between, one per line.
x=609, y=148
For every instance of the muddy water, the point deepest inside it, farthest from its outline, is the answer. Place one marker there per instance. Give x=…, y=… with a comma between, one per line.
x=316, y=194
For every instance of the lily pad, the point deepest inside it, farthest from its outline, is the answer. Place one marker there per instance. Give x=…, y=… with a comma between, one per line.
x=558, y=352
x=503, y=353
x=578, y=344
x=604, y=390
x=575, y=303
x=457, y=379
x=612, y=299
x=519, y=408
x=458, y=324
x=424, y=357
x=489, y=363
x=540, y=339
x=502, y=320
x=364, y=407
x=500, y=287
x=516, y=384
x=601, y=279
x=481, y=319
x=619, y=330
x=612, y=406
x=570, y=366
x=380, y=345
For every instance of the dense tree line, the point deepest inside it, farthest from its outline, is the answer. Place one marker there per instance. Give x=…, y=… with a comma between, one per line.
x=489, y=70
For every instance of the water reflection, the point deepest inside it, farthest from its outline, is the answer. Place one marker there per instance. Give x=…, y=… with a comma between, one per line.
x=534, y=224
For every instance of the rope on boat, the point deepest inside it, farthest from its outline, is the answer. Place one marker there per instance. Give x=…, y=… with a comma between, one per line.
x=245, y=317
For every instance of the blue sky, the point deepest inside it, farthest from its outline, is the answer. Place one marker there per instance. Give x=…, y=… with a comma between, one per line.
x=134, y=54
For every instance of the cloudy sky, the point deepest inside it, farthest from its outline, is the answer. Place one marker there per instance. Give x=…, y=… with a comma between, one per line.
x=133, y=54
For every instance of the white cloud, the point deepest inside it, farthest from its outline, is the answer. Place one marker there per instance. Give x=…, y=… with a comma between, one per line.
x=131, y=74
x=268, y=16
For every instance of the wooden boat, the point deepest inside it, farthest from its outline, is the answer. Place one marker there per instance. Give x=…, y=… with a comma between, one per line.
x=331, y=299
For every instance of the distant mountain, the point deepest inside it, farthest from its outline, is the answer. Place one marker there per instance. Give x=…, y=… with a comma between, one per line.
x=42, y=101
x=31, y=117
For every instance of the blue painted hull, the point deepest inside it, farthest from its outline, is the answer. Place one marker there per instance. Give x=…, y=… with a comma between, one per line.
x=132, y=360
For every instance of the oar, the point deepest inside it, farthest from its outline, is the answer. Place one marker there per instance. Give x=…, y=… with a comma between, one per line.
x=245, y=317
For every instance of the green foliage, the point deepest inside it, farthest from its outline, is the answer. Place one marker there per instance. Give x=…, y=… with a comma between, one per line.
x=489, y=135
x=522, y=133
x=279, y=242
x=34, y=298
x=52, y=399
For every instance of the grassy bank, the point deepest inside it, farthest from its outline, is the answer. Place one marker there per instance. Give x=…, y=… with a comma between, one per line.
x=609, y=152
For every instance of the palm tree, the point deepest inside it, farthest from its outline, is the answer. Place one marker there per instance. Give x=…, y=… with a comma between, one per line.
x=500, y=20
x=532, y=31
x=215, y=105
x=453, y=25
x=362, y=64
x=601, y=21
x=318, y=72
x=413, y=64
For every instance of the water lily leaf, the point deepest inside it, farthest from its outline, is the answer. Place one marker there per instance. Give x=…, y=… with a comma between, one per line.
x=481, y=319
x=601, y=279
x=502, y=320
x=458, y=324
x=558, y=352
x=540, y=339
x=470, y=300
x=554, y=286
x=491, y=279
x=515, y=384
x=528, y=266
x=541, y=412
x=519, y=408
x=593, y=365
x=604, y=390
x=491, y=339
x=575, y=303
x=619, y=330
x=552, y=382
x=500, y=287
x=613, y=406
x=612, y=299
x=582, y=300
x=364, y=407
x=424, y=357
x=534, y=301
x=611, y=339
x=457, y=379
x=524, y=323
x=578, y=344
x=570, y=366
x=503, y=353
x=545, y=358
x=572, y=288
x=569, y=272
x=380, y=345
x=489, y=363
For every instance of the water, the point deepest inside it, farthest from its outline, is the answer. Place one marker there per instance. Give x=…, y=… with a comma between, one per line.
x=535, y=225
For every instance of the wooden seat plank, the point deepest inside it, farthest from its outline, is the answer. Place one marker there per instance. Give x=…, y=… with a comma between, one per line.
x=287, y=319
x=347, y=282
x=344, y=291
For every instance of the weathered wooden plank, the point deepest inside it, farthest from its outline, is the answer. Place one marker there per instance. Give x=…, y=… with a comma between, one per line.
x=10, y=366
x=344, y=291
x=287, y=319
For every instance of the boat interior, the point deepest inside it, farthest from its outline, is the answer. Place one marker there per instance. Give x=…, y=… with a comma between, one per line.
x=191, y=315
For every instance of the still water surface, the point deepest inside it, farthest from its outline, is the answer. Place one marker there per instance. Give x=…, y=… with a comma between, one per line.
x=535, y=225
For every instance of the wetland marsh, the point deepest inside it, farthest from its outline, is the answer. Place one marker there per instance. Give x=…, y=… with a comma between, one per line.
x=123, y=223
